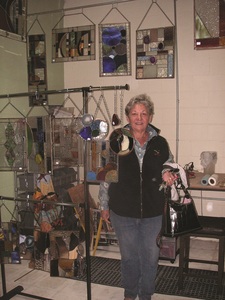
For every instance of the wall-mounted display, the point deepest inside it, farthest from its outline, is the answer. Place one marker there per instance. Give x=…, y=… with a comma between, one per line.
x=155, y=53
x=209, y=24
x=73, y=44
x=13, y=19
x=114, y=49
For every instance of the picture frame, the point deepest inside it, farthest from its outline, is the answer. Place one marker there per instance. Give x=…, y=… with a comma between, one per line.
x=114, y=49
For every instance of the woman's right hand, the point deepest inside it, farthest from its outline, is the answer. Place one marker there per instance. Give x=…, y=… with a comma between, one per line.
x=169, y=178
x=105, y=215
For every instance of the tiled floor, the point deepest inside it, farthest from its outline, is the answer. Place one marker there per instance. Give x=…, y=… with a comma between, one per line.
x=40, y=283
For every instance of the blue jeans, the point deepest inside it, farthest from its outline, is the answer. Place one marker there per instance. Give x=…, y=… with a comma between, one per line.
x=139, y=253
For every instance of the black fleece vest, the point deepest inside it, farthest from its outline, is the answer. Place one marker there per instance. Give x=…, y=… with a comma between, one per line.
x=137, y=194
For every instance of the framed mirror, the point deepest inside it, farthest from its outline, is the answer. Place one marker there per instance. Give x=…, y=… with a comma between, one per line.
x=155, y=53
x=114, y=49
x=209, y=24
x=73, y=44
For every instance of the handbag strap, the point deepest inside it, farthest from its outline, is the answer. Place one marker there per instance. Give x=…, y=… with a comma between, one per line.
x=186, y=192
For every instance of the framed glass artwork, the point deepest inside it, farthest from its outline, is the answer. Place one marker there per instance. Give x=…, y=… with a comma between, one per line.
x=13, y=145
x=114, y=49
x=67, y=146
x=39, y=151
x=13, y=19
x=73, y=44
x=155, y=53
x=209, y=24
x=37, y=69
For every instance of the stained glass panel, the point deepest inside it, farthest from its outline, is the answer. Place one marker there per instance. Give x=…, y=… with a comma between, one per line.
x=209, y=24
x=114, y=49
x=155, y=53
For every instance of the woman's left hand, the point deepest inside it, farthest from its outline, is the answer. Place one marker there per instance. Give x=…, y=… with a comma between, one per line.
x=169, y=178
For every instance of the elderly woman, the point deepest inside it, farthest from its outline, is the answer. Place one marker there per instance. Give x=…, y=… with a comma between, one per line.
x=135, y=203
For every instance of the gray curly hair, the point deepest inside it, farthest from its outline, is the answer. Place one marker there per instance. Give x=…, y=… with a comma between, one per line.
x=140, y=99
